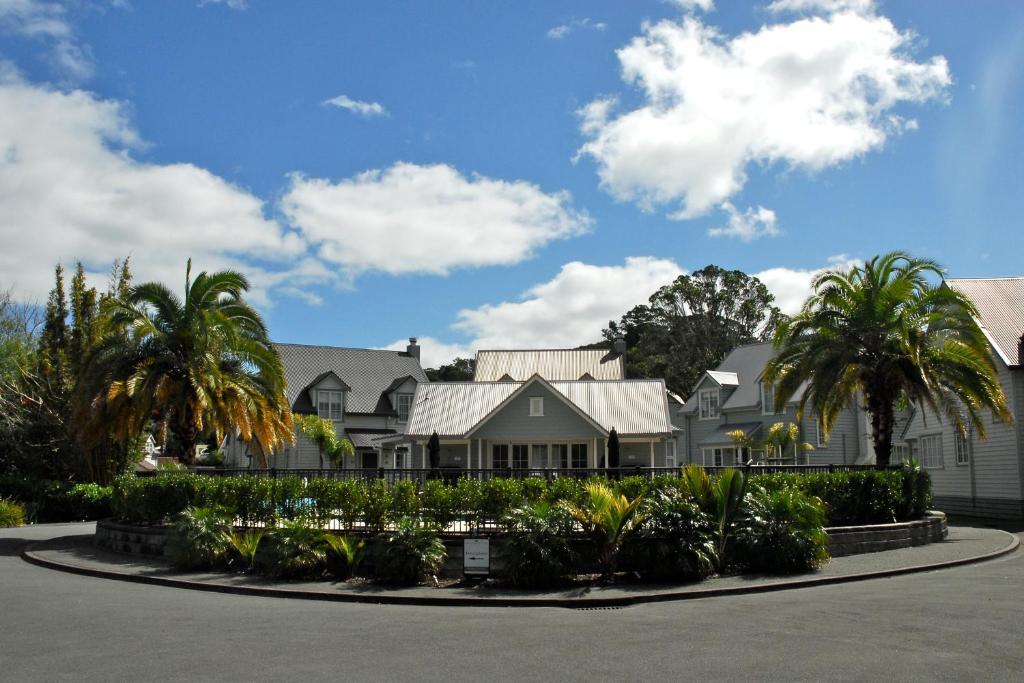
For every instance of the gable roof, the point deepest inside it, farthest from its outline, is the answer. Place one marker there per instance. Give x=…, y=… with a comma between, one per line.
x=742, y=368
x=536, y=379
x=551, y=364
x=1000, y=304
x=367, y=373
x=453, y=409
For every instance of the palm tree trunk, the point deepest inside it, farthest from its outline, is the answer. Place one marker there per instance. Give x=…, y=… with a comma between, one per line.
x=883, y=418
x=184, y=439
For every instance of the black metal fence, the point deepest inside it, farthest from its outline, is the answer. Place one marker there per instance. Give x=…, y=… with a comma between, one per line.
x=549, y=474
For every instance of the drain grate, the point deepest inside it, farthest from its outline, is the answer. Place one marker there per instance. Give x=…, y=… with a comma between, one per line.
x=592, y=609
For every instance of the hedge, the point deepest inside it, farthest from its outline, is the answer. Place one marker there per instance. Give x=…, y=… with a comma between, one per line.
x=860, y=497
x=57, y=501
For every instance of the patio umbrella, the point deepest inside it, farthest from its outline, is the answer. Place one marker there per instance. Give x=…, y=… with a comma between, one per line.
x=613, y=448
x=434, y=450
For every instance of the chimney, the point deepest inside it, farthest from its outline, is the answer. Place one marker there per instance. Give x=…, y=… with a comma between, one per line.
x=619, y=346
x=413, y=349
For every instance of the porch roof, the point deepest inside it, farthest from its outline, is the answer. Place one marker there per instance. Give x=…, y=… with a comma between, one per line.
x=720, y=437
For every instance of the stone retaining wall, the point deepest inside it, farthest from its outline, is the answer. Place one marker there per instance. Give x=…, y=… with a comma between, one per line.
x=854, y=540
x=846, y=540
x=134, y=540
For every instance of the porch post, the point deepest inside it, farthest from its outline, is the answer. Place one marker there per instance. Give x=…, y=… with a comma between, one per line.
x=469, y=454
x=423, y=452
x=652, y=454
x=606, y=453
x=595, y=453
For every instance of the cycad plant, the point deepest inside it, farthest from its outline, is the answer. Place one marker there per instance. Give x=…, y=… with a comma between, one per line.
x=882, y=331
x=295, y=550
x=200, y=538
x=610, y=517
x=722, y=498
x=244, y=546
x=538, y=553
x=344, y=553
x=199, y=365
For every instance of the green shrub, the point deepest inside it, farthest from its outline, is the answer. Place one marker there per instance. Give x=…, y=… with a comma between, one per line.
x=57, y=501
x=413, y=553
x=633, y=486
x=533, y=489
x=404, y=500
x=781, y=532
x=11, y=514
x=352, y=495
x=538, y=553
x=243, y=548
x=438, y=504
x=568, y=489
x=90, y=501
x=469, y=498
x=676, y=541
x=156, y=499
x=376, y=504
x=499, y=496
x=291, y=551
x=199, y=538
x=862, y=496
x=916, y=491
x=344, y=553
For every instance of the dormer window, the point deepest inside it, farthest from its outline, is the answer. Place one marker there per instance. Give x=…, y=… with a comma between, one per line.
x=708, y=401
x=330, y=404
x=767, y=398
x=404, y=405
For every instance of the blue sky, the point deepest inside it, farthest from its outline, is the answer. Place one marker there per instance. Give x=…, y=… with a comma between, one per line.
x=503, y=174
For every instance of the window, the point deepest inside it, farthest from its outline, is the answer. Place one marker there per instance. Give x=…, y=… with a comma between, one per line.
x=369, y=460
x=404, y=405
x=820, y=438
x=499, y=456
x=579, y=456
x=560, y=455
x=401, y=458
x=767, y=398
x=536, y=406
x=931, y=451
x=520, y=456
x=670, y=458
x=963, y=454
x=717, y=457
x=329, y=404
x=708, y=399
x=540, y=455
x=901, y=452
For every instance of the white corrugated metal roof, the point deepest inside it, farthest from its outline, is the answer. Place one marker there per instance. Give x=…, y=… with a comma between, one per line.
x=551, y=364
x=452, y=409
x=724, y=378
x=1000, y=304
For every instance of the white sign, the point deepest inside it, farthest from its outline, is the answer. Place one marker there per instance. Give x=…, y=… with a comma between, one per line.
x=476, y=556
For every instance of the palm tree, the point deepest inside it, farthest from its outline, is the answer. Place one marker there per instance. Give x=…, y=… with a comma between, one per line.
x=201, y=365
x=884, y=332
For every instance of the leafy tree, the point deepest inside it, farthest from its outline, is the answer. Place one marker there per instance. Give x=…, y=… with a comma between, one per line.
x=884, y=333
x=199, y=365
x=18, y=326
x=459, y=370
x=690, y=325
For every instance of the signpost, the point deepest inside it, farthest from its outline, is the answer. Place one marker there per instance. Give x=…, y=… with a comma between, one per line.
x=476, y=557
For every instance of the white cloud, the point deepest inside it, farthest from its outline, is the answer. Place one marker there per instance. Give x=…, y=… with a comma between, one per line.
x=71, y=188
x=825, y=6
x=570, y=309
x=230, y=4
x=48, y=22
x=749, y=225
x=809, y=94
x=693, y=5
x=427, y=219
x=434, y=352
x=792, y=286
x=563, y=30
x=364, y=109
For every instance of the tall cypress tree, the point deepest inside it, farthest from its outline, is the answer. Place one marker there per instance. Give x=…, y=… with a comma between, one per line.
x=54, y=342
x=84, y=311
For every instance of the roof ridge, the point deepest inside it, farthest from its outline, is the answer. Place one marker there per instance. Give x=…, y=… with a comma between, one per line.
x=342, y=348
x=985, y=279
x=537, y=350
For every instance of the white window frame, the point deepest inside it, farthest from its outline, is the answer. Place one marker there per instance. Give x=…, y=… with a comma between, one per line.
x=330, y=395
x=962, y=447
x=408, y=408
x=718, y=455
x=580, y=449
x=771, y=397
x=536, y=406
x=930, y=447
x=901, y=452
x=507, y=455
x=701, y=415
x=559, y=454
x=519, y=456
x=819, y=433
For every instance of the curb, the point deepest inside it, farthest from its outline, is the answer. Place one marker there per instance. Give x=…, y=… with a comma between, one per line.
x=570, y=603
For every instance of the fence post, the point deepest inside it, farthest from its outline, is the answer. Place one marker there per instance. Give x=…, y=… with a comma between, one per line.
x=831, y=467
x=380, y=472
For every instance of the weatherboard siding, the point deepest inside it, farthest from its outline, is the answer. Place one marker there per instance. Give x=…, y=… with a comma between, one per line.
x=558, y=422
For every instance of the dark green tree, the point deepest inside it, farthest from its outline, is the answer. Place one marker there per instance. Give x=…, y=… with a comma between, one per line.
x=689, y=326
x=459, y=370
